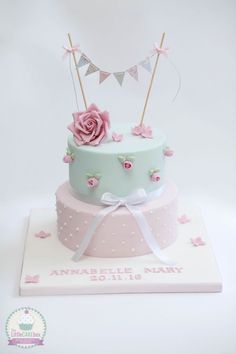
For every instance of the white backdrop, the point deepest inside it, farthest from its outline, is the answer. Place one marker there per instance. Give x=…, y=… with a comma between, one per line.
x=36, y=105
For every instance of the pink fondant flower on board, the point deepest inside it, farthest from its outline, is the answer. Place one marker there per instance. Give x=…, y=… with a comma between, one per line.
x=32, y=279
x=90, y=127
x=197, y=241
x=145, y=132
x=154, y=175
x=42, y=234
x=184, y=219
x=117, y=137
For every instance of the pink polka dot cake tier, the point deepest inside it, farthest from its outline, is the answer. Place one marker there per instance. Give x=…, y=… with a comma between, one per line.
x=118, y=234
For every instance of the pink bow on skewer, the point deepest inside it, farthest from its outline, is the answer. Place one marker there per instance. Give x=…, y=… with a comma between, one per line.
x=73, y=49
x=159, y=50
x=32, y=279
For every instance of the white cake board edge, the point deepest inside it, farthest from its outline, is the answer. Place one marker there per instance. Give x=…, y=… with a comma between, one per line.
x=49, y=261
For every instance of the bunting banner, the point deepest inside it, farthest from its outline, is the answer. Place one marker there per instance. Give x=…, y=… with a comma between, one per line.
x=119, y=75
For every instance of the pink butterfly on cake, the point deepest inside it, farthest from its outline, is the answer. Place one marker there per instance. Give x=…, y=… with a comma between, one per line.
x=197, y=241
x=32, y=279
x=184, y=219
x=42, y=234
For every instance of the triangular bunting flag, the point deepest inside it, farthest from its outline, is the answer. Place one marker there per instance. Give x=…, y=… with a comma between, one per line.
x=133, y=72
x=120, y=77
x=103, y=75
x=91, y=69
x=83, y=60
x=146, y=64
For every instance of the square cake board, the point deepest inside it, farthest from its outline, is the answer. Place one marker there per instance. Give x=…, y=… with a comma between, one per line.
x=48, y=263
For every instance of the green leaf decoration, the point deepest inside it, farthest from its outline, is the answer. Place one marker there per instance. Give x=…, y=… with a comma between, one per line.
x=98, y=175
x=89, y=175
x=130, y=158
x=121, y=158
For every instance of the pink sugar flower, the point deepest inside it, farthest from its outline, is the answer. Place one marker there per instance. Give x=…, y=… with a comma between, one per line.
x=42, y=234
x=32, y=279
x=184, y=219
x=92, y=182
x=117, y=137
x=68, y=159
x=127, y=165
x=197, y=241
x=168, y=152
x=145, y=132
x=155, y=177
x=90, y=127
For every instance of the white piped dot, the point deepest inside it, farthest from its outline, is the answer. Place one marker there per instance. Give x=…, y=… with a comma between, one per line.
x=70, y=235
x=112, y=215
x=113, y=233
x=77, y=246
x=141, y=239
x=113, y=250
x=61, y=227
x=151, y=212
x=94, y=249
x=132, y=233
x=132, y=249
x=65, y=223
x=77, y=229
x=65, y=238
x=85, y=222
x=70, y=217
x=103, y=224
x=123, y=225
x=122, y=242
x=103, y=241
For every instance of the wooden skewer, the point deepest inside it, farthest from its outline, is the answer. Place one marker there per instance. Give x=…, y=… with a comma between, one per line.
x=152, y=79
x=77, y=70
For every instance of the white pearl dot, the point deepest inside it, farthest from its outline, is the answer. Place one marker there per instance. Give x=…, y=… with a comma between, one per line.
x=70, y=235
x=70, y=217
x=77, y=229
x=132, y=249
x=103, y=224
x=103, y=241
x=113, y=233
x=122, y=242
x=85, y=221
x=77, y=246
x=95, y=249
x=65, y=223
x=112, y=215
x=61, y=227
x=151, y=212
x=141, y=240
x=132, y=233
x=65, y=239
x=123, y=225
x=113, y=250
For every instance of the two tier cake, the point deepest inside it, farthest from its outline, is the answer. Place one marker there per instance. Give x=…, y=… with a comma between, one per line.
x=118, y=201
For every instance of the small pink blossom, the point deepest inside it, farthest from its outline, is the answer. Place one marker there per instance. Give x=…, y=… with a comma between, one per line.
x=68, y=159
x=145, y=132
x=92, y=182
x=197, y=241
x=42, y=234
x=184, y=219
x=168, y=152
x=117, y=137
x=32, y=279
x=90, y=127
x=155, y=177
x=127, y=165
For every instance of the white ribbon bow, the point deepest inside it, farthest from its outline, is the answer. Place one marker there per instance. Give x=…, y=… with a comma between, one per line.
x=112, y=203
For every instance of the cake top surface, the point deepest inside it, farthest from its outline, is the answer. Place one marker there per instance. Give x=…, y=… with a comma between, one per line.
x=128, y=142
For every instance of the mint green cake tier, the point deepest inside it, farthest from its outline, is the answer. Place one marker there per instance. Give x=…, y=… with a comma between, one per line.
x=104, y=161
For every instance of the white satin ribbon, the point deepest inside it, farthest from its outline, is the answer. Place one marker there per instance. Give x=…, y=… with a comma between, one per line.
x=113, y=202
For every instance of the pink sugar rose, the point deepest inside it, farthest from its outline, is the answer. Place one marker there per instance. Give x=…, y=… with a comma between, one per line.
x=68, y=159
x=92, y=182
x=127, y=165
x=90, y=127
x=155, y=177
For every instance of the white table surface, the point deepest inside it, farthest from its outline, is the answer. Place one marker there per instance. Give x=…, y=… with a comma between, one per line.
x=36, y=105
